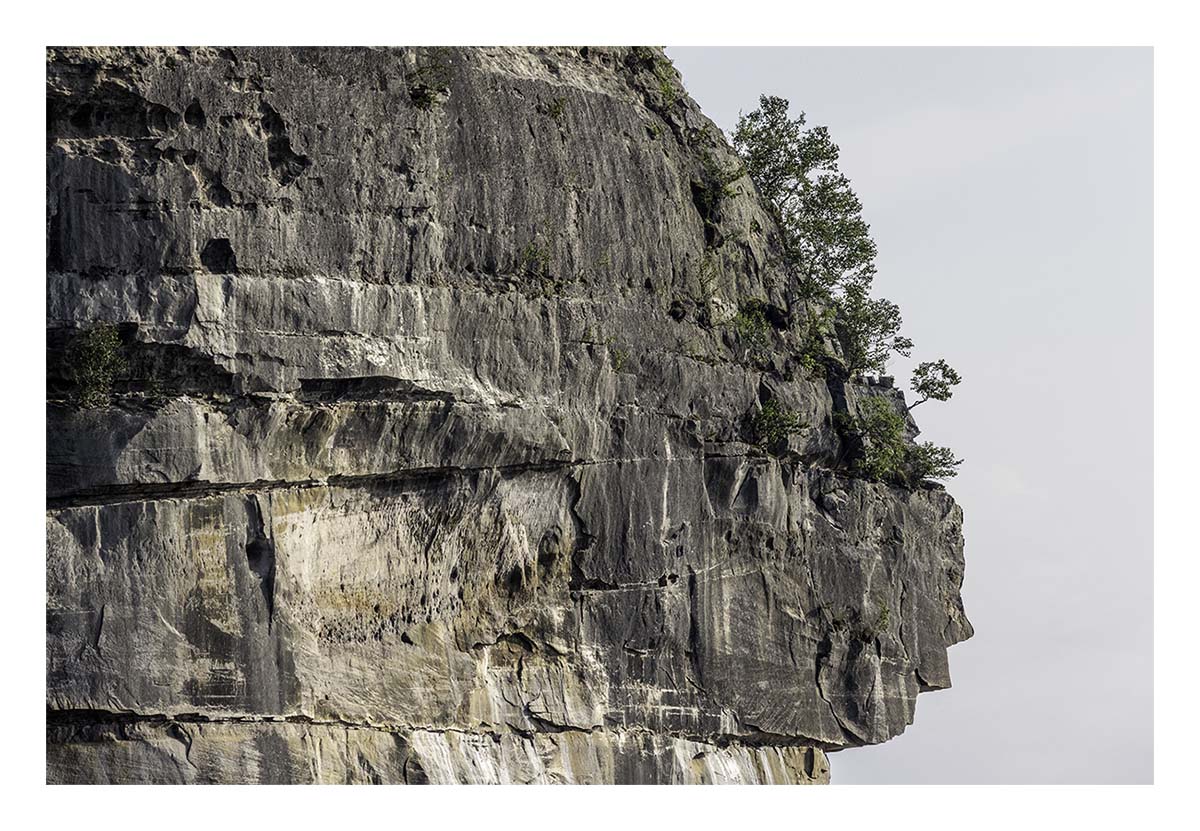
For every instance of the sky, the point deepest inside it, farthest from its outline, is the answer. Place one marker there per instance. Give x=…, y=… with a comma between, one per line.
x=1010, y=194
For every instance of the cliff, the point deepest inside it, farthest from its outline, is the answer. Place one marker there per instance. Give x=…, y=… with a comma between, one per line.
x=421, y=445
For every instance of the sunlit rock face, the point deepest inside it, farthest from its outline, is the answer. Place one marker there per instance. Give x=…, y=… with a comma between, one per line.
x=426, y=455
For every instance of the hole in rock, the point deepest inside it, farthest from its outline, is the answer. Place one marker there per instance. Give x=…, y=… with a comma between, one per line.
x=194, y=115
x=218, y=257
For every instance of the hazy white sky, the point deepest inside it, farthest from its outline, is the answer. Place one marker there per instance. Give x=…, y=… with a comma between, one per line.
x=1010, y=193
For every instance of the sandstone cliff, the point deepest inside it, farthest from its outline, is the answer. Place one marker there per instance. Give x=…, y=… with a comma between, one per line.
x=426, y=454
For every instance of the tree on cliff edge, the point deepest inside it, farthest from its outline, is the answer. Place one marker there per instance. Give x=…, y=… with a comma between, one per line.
x=826, y=243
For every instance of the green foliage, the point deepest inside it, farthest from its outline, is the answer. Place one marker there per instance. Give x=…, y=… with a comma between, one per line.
x=824, y=238
x=934, y=380
x=928, y=461
x=668, y=90
x=771, y=425
x=752, y=328
x=719, y=176
x=534, y=260
x=643, y=58
x=886, y=454
x=619, y=358
x=881, y=430
x=94, y=360
x=557, y=111
x=714, y=184
x=868, y=329
x=431, y=78
x=884, y=617
x=813, y=354
x=667, y=87
x=870, y=631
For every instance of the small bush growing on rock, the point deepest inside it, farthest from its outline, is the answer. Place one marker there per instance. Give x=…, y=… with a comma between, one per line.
x=94, y=360
x=881, y=430
x=886, y=454
x=812, y=352
x=927, y=460
x=556, y=110
x=714, y=184
x=616, y=354
x=534, y=260
x=431, y=79
x=772, y=425
x=867, y=632
x=647, y=58
x=667, y=87
x=752, y=328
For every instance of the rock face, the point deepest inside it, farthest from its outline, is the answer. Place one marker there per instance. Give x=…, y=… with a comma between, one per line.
x=425, y=453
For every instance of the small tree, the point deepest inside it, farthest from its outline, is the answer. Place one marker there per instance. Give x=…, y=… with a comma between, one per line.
x=925, y=460
x=771, y=425
x=827, y=245
x=887, y=455
x=881, y=430
x=934, y=380
x=868, y=329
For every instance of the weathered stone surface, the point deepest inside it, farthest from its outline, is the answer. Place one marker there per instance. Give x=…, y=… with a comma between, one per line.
x=429, y=458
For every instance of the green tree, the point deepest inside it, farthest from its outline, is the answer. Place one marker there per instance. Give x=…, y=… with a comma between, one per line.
x=925, y=460
x=826, y=244
x=771, y=425
x=887, y=455
x=881, y=430
x=934, y=380
x=823, y=235
x=868, y=329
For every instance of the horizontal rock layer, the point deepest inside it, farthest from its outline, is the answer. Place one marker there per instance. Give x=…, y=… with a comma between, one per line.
x=429, y=459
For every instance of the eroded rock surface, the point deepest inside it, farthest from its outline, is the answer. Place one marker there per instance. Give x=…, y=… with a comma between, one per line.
x=428, y=458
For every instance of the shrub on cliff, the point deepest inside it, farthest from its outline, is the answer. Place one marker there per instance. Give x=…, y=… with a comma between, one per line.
x=925, y=460
x=886, y=454
x=94, y=360
x=752, y=329
x=771, y=425
x=881, y=430
x=430, y=79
